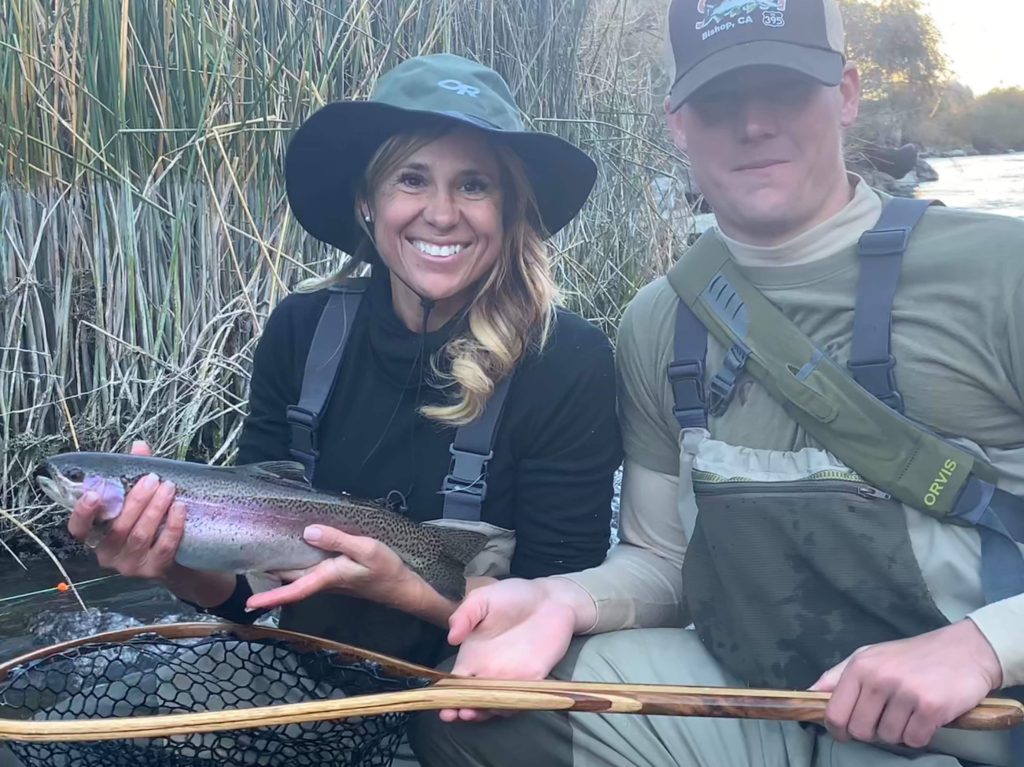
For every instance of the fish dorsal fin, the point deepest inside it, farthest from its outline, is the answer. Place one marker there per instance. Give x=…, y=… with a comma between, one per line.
x=289, y=471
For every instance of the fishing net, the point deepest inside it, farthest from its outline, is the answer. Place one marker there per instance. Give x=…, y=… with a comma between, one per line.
x=152, y=674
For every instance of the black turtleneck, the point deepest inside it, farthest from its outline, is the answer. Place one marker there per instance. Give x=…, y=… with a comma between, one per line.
x=555, y=452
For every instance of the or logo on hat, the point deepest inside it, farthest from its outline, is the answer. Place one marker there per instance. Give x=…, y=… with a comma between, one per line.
x=727, y=14
x=460, y=88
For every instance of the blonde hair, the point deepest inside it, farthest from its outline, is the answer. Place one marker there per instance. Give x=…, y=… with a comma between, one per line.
x=513, y=309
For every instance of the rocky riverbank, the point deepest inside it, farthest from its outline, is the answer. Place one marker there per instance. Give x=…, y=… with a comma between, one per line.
x=903, y=186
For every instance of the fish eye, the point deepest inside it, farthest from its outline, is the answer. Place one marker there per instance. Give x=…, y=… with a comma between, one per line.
x=74, y=474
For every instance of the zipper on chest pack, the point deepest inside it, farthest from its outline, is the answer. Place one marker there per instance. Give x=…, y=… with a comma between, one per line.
x=706, y=483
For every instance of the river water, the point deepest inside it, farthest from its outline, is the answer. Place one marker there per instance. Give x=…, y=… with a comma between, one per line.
x=994, y=184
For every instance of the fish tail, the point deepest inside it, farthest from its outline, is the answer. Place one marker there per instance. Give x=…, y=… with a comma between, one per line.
x=458, y=547
x=449, y=579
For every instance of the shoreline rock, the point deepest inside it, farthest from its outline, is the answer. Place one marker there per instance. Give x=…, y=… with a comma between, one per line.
x=924, y=171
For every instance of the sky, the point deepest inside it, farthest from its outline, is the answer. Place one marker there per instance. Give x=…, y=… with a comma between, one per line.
x=983, y=39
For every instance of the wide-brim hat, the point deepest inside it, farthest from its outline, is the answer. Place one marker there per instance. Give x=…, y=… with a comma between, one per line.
x=328, y=155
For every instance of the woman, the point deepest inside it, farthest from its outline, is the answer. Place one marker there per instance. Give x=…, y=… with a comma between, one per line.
x=436, y=186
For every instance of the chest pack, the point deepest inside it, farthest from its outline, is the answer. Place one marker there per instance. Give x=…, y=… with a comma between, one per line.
x=464, y=487
x=856, y=415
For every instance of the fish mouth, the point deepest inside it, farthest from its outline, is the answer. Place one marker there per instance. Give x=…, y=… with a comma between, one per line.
x=57, y=487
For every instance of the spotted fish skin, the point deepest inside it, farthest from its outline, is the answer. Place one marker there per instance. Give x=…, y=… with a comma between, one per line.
x=250, y=518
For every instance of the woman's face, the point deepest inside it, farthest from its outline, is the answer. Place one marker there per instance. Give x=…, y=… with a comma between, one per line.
x=437, y=221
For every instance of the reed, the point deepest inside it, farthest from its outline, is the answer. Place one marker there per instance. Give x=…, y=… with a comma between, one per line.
x=144, y=231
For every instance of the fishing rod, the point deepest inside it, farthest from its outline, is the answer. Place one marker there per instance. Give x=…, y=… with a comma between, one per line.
x=440, y=691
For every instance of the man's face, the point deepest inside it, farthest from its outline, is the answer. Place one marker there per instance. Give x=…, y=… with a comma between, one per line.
x=765, y=145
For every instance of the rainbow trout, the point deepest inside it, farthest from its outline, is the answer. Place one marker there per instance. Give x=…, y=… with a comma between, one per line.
x=250, y=518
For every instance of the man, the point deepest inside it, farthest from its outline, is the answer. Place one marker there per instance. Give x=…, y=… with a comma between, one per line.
x=790, y=581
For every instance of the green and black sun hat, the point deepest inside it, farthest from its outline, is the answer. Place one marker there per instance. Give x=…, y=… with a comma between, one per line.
x=328, y=155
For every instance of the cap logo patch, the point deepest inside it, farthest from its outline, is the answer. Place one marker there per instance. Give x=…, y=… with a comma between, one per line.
x=459, y=87
x=723, y=15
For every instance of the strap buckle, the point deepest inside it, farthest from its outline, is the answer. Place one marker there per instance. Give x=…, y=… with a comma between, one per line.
x=304, y=425
x=879, y=378
x=687, y=380
x=685, y=370
x=723, y=385
x=884, y=242
x=467, y=472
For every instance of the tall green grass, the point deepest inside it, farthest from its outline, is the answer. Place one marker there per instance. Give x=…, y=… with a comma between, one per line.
x=144, y=231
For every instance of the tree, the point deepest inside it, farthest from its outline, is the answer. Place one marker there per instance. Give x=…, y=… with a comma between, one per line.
x=948, y=126
x=897, y=49
x=997, y=120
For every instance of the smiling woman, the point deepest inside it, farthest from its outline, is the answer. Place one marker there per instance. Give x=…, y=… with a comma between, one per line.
x=437, y=219
x=447, y=382
x=435, y=204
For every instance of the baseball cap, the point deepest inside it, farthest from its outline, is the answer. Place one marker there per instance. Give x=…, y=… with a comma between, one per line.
x=712, y=37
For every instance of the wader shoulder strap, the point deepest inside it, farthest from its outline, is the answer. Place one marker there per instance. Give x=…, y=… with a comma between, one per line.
x=321, y=372
x=686, y=371
x=466, y=484
x=880, y=252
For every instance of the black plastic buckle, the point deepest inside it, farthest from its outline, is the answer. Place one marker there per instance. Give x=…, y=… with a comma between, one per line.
x=723, y=385
x=467, y=472
x=974, y=500
x=894, y=400
x=304, y=425
x=720, y=393
x=681, y=370
x=308, y=458
x=879, y=378
x=687, y=380
x=687, y=372
x=883, y=242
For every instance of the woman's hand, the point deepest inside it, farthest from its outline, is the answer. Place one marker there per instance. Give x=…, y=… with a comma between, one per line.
x=364, y=568
x=134, y=544
x=144, y=538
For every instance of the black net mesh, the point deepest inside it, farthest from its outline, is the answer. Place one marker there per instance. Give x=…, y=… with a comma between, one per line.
x=151, y=675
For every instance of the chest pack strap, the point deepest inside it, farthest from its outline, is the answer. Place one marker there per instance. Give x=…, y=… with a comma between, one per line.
x=465, y=486
x=891, y=452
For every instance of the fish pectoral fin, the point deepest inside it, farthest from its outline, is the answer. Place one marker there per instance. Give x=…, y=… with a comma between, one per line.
x=292, y=471
x=460, y=545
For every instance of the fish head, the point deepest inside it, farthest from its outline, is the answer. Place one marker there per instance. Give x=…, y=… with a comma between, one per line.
x=72, y=475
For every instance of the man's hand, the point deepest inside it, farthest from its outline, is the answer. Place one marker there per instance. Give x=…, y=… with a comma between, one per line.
x=364, y=568
x=902, y=692
x=514, y=629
